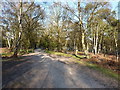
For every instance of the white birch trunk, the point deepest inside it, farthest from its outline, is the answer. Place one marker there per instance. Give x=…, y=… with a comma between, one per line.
x=20, y=33
x=116, y=45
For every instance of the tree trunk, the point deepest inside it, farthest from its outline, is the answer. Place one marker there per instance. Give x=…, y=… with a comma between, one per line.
x=83, y=32
x=9, y=45
x=20, y=33
x=75, y=46
x=116, y=47
x=99, y=47
x=76, y=50
x=96, y=42
x=83, y=43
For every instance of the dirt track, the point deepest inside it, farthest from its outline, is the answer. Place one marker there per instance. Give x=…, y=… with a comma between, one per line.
x=39, y=70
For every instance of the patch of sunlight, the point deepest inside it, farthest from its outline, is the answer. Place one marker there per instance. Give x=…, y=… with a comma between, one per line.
x=80, y=62
x=44, y=56
x=91, y=65
x=70, y=71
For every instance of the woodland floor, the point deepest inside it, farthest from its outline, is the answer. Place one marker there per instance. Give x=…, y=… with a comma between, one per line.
x=107, y=61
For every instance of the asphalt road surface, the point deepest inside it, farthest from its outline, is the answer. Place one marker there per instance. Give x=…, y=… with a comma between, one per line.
x=39, y=70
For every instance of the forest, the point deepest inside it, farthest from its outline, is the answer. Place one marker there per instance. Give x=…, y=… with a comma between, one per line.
x=81, y=32
x=87, y=27
x=59, y=26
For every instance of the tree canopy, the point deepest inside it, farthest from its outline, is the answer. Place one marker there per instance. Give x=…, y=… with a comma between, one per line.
x=88, y=26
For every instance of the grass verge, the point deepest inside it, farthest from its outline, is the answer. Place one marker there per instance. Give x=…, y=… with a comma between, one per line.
x=103, y=70
x=21, y=52
x=66, y=55
x=59, y=53
x=7, y=55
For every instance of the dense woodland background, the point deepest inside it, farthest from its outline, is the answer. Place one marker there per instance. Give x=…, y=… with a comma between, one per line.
x=59, y=26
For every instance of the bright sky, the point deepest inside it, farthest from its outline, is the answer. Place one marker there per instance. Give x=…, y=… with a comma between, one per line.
x=114, y=3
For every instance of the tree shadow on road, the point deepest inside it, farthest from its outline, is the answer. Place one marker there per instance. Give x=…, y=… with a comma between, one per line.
x=15, y=68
